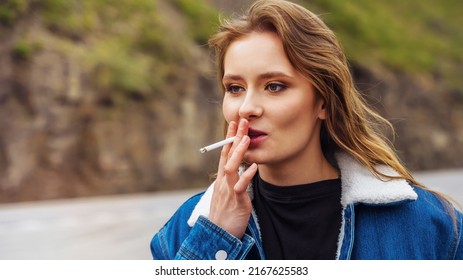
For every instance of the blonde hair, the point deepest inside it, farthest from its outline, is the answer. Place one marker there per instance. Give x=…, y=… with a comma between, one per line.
x=313, y=50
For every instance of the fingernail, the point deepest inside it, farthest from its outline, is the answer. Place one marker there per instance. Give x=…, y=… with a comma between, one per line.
x=242, y=123
x=231, y=125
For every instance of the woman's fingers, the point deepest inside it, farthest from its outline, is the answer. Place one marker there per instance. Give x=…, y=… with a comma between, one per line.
x=245, y=179
x=239, y=131
x=234, y=161
x=242, y=130
x=231, y=205
x=226, y=149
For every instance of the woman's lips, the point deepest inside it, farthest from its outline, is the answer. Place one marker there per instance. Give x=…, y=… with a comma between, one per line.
x=256, y=136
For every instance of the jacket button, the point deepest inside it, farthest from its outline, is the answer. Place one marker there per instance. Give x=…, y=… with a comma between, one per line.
x=221, y=255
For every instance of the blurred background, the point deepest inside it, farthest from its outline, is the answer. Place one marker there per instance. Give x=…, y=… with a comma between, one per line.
x=104, y=104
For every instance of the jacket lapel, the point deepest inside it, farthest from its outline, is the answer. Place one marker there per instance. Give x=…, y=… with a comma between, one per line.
x=359, y=185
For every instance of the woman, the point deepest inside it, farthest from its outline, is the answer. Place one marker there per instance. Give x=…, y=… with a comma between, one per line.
x=309, y=175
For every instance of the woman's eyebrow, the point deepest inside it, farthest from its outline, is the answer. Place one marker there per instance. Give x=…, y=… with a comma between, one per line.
x=263, y=76
x=273, y=74
x=232, y=77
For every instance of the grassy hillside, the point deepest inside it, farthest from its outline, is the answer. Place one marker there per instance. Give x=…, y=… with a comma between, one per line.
x=414, y=36
x=104, y=96
x=133, y=47
x=116, y=96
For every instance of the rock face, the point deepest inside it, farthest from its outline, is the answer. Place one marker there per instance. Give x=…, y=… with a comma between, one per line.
x=427, y=118
x=65, y=131
x=63, y=134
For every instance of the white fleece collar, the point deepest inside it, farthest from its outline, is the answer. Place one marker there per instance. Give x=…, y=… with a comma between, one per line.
x=359, y=185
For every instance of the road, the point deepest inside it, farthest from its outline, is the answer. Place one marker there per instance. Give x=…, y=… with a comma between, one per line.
x=116, y=227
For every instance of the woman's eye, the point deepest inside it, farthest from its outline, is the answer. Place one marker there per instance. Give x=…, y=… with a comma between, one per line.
x=275, y=87
x=234, y=89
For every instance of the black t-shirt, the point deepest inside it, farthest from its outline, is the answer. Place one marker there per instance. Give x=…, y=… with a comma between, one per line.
x=299, y=222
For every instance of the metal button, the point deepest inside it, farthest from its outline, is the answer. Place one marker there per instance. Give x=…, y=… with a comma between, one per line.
x=221, y=255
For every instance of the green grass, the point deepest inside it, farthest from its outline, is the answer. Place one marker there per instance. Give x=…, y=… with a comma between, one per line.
x=23, y=49
x=413, y=36
x=202, y=19
x=10, y=10
x=128, y=44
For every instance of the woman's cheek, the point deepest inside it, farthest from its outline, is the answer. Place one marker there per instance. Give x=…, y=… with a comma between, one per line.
x=230, y=110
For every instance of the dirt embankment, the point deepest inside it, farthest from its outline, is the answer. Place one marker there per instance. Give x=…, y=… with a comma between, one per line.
x=65, y=133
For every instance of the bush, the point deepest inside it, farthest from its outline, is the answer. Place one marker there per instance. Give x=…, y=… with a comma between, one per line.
x=11, y=10
x=24, y=49
x=202, y=18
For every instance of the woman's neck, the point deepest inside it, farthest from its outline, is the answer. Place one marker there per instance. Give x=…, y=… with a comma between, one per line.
x=297, y=173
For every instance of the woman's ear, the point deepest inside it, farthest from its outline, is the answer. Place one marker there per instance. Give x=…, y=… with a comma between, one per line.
x=322, y=109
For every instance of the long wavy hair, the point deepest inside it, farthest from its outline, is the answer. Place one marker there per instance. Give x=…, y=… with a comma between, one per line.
x=313, y=50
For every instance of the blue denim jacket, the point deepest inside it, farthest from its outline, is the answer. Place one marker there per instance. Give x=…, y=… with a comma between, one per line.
x=381, y=220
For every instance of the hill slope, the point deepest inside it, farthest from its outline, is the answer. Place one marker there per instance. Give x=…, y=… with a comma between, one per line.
x=103, y=97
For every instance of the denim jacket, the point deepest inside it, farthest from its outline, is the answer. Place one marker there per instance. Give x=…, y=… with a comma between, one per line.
x=380, y=220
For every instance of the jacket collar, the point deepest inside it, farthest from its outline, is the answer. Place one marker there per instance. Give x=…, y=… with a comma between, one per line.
x=359, y=185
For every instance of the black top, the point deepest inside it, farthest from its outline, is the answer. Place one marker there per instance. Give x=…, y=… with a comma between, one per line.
x=299, y=222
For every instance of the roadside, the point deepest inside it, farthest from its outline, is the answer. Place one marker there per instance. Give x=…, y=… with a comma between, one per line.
x=117, y=227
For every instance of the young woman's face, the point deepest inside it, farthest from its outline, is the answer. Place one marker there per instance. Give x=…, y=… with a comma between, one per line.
x=263, y=87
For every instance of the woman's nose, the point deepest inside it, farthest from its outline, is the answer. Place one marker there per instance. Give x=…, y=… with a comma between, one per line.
x=251, y=107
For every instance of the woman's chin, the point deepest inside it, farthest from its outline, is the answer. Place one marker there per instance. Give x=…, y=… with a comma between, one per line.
x=251, y=157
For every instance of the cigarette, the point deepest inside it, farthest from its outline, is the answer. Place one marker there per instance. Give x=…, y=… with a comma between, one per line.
x=217, y=145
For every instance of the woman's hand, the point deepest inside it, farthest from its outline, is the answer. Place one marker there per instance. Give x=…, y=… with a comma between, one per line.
x=231, y=206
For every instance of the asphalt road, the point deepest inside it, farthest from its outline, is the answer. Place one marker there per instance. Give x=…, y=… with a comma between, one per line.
x=116, y=227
